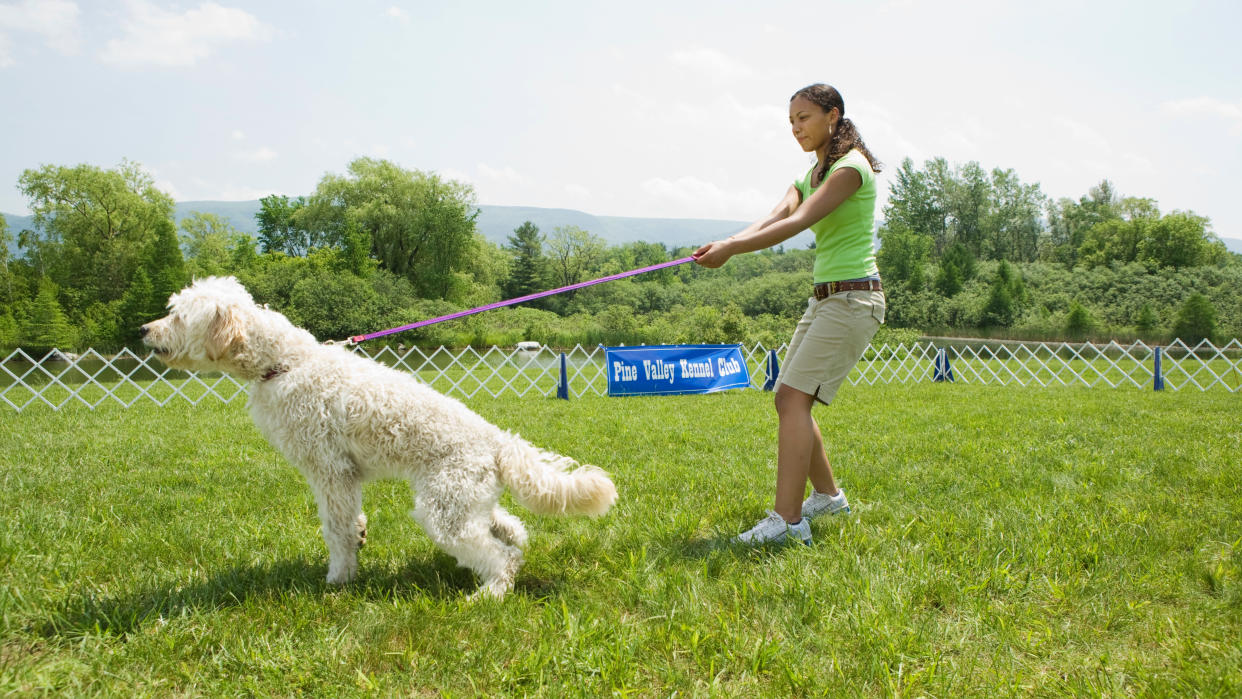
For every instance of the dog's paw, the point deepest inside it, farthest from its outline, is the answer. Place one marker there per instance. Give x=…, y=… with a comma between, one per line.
x=491, y=591
x=339, y=575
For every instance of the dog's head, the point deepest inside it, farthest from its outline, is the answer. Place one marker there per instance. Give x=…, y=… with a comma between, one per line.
x=206, y=325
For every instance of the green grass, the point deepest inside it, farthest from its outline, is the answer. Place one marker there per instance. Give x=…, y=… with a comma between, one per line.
x=1006, y=541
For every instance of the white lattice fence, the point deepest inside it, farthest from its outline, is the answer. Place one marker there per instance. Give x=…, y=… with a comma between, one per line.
x=92, y=379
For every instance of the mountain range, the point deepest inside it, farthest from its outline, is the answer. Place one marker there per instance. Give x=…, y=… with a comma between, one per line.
x=497, y=223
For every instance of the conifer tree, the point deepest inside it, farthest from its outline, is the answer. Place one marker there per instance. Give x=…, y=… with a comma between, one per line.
x=1196, y=320
x=47, y=328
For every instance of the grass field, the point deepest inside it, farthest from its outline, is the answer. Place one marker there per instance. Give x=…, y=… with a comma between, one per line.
x=1005, y=541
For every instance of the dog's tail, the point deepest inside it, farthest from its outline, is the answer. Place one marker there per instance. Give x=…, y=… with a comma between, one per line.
x=543, y=483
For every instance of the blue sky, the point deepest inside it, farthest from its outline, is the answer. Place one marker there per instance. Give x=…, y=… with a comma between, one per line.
x=660, y=109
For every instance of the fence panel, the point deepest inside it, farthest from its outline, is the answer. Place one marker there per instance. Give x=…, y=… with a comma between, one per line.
x=93, y=379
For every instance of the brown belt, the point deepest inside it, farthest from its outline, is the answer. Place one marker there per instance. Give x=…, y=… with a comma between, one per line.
x=823, y=291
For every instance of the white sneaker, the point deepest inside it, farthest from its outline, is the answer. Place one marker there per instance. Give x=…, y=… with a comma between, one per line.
x=773, y=529
x=819, y=503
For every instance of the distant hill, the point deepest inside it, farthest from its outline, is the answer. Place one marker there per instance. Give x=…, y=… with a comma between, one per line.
x=496, y=223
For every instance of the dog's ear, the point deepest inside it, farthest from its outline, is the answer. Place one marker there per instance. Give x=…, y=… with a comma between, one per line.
x=227, y=329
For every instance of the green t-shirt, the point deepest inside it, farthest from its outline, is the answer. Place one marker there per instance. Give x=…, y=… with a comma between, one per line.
x=843, y=247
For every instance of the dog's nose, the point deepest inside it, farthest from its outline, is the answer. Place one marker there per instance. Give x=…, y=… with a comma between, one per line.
x=142, y=332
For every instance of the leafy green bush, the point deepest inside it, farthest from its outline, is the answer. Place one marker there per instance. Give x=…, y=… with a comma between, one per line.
x=1196, y=321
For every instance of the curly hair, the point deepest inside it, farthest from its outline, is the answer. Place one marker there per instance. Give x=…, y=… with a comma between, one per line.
x=846, y=136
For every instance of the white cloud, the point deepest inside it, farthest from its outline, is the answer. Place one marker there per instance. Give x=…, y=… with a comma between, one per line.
x=1138, y=164
x=166, y=186
x=397, y=13
x=232, y=192
x=456, y=175
x=714, y=64
x=1208, y=106
x=880, y=126
x=154, y=36
x=505, y=174
x=56, y=21
x=261, y=155
x=1083, y=135
x=691, y=197
x=578, y=191
x=764, y=116
x=239, y=135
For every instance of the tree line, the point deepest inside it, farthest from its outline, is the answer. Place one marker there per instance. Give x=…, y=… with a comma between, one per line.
x=963, y=251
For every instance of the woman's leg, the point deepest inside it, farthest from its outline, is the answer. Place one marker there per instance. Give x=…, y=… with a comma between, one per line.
x=798, y=439
x=821, y=468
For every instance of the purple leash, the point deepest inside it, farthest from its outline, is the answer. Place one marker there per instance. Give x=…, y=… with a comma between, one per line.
x=529, y=297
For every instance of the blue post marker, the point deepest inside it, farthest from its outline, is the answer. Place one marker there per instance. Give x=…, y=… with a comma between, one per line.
x=1158, y=376
x=562, y=388
x=943, y=372
x=772, y=372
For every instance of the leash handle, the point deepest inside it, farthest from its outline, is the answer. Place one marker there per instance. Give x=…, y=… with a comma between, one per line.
x=521, y=299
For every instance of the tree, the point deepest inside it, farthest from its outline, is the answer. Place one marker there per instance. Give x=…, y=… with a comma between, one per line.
x=47, y=328
x=993, y=215
x=6, y=279
x=1196, y=320
x=1079, y=321
x=280, y=227
x=1179, y=239
x=1146, y=320
x=957, y=266
x=139, y=306
x=208, y=241
x=573, y=253
x=526, y=276
x=335, y=306
x=917, y=203
x=93, y=226
x=1005, y=297
x=356, y=250
x=949, y=280
x=10, y=333
x=902, y=255
x=1069, y=221
x=164, y=263
x=1113, y=240
x=1013, y=225
x=969, y=205
x=420, y=226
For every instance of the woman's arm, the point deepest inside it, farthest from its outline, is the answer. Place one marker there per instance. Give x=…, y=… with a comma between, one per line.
x=785, y=222
x=710, y=255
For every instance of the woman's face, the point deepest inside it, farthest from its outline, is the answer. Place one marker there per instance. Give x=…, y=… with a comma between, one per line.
x=812, y=126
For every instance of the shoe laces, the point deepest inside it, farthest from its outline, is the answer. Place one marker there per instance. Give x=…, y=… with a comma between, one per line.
x=771, y=525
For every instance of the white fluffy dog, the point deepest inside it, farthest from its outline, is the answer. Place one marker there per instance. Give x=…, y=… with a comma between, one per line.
x=342, y=420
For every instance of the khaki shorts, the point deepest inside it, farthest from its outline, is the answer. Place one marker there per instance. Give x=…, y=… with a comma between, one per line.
x=829, y=340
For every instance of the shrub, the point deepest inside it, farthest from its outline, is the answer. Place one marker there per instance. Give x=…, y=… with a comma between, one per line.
x=1079, y=321
x=1196, y=320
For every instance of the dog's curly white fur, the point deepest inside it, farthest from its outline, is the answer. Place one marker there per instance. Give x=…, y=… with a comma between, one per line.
x=342, y=419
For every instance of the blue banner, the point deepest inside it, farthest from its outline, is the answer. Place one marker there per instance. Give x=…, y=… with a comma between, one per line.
x=658, y=370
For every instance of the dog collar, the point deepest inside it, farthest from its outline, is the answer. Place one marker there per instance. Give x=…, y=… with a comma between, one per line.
x=273, y=373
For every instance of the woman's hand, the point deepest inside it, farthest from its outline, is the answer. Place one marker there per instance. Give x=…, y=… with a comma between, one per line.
x=714, y=254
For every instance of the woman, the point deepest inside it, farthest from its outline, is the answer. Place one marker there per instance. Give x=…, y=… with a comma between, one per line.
x=836, y=200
